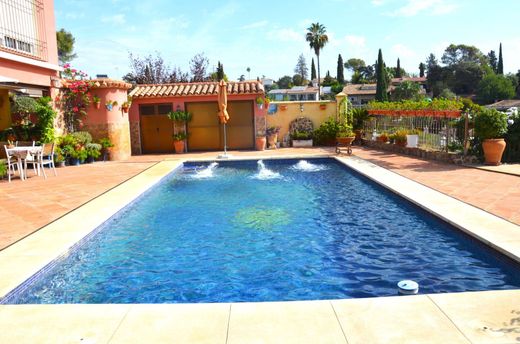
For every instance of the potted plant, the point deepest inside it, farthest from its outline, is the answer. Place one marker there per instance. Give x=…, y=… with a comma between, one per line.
x=3, y=168
x=301, y=138
x=490, y=127
x=93, y=152
x=59, y=159
x=345, y=135
x=283, y=107
x=260, y=140
x=383, y=137
x=126, y=105
x=272, y=136
x=400, y=137
x=109, y=104
x=106, y=145
x=178, y=142
x=96, y=101
x=260, y=102
x=323, y=106
x=412, y=138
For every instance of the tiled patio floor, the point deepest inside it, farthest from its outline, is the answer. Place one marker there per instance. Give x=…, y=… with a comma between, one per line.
x=27, y=206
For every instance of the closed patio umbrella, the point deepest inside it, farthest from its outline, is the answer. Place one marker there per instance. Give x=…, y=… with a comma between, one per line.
x=223, y=114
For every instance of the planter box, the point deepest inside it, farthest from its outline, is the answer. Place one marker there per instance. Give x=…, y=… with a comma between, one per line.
x=301, y=143
x=412, y=141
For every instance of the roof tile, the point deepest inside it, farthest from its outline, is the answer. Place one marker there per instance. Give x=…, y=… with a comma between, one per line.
x=195, y=89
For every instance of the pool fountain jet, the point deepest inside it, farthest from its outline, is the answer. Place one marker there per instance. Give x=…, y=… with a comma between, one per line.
x=206, y=172
x=305, y=166
x=265, y=173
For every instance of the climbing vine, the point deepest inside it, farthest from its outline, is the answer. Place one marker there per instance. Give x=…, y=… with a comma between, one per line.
x=74, y=98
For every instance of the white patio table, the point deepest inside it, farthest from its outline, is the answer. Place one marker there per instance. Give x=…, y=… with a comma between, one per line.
x=22, y=152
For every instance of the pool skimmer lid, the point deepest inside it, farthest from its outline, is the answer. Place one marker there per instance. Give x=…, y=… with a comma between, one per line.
x=408, y=287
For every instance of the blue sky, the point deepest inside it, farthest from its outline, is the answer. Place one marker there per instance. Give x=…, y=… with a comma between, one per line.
x=269, y=36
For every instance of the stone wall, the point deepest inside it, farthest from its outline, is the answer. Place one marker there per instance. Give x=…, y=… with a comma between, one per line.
x=447, y=157
x=135, y=138
x=117, y=133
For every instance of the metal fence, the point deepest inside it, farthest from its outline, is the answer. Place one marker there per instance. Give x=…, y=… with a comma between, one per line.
x=435, y=133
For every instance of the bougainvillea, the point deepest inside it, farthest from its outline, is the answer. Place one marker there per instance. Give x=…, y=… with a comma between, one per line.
x=74, y=98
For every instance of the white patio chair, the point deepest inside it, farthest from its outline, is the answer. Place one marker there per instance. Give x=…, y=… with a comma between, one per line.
x=46, y=157
x=12, y=164
x=29, y=159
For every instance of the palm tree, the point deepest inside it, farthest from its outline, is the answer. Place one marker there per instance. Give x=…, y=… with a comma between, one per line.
x=317, y=38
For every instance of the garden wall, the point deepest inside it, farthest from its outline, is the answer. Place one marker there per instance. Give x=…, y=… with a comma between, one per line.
x=286, y=112
x=447, y=157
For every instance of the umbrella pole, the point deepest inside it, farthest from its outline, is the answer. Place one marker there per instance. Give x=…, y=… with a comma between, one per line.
x=225, y=140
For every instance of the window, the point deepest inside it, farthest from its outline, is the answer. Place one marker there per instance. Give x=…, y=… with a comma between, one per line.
x=22, y=27
x=155, y=109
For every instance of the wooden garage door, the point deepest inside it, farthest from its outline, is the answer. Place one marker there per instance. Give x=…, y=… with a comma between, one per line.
x=240, y=128
x=206, y=133
x=204, y=128
x=156, y=128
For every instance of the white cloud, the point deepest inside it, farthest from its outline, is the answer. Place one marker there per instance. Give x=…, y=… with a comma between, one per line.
x=401, y=50
x=356, y=41
x=433, y=7
x=115, y=19
x=255, y=25
x=286, y=35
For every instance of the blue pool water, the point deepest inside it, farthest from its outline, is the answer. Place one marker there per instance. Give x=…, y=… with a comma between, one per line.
x=294, y=231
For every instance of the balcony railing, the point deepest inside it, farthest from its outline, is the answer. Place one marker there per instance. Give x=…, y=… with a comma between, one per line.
x=22, y=28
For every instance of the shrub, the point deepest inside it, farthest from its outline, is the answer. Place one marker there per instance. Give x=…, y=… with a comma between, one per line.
x=24, y=105
x=82, y=137
x=512, y=152
x=3, y=168
x=106, y=143
x=46, y=116
x=93, y=150
x=301, y=135
x=326, y=133
x=490, y=124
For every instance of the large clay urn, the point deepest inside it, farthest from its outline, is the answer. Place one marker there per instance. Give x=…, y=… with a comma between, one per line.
x=493, y=150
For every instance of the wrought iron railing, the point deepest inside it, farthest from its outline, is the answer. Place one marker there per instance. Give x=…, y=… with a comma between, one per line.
x=22, y=28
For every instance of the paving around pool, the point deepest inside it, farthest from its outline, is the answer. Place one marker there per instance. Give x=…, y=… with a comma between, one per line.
x=438, y=315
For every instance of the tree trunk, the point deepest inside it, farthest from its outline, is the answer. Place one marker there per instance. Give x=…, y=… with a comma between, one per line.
x=319, y=84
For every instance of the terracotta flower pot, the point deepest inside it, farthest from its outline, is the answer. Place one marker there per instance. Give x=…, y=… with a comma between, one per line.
x=283, y=107
x=493, y=150
x=323, y=106
x=97, y=105
x=260, y=143
x=124, y=108
x=179, y=147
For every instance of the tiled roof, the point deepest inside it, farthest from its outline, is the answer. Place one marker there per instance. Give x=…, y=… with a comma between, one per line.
x=105, y=83
x=195, y=89
x=413, y=79
x=505, y=104
x=363, y=89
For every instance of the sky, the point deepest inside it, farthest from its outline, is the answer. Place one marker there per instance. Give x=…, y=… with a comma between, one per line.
x=269, y=36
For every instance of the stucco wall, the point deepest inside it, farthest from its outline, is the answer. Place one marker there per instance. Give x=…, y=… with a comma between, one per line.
x=112, y=124
x=311, y=110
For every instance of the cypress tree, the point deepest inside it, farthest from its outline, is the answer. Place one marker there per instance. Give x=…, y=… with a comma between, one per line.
x=421, y=69
x=398, y=73
x=220, y=71
x=313, y=70
x=340, y=76
x=500, y=65
x=382, y=86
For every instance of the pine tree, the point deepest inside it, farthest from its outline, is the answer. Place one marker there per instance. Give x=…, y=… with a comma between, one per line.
x=500, y=65
x=421, y=69
x=340, y=76
x=398, y=73
x=382, y=86
x=313, y=70
x=301, y=67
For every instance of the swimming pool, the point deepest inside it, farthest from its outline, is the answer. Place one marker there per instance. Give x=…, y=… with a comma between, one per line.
x=293, y=231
